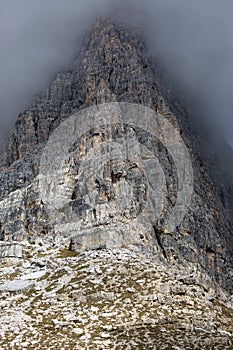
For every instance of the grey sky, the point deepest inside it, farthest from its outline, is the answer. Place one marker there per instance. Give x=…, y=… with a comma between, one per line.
x=194, y=37
x=37, y=38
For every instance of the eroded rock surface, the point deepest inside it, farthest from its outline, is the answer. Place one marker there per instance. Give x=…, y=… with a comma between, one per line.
x=113, y=67
x=109, y=299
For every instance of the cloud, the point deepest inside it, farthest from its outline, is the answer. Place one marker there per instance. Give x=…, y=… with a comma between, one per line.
x=193, y=37
x=37, y=38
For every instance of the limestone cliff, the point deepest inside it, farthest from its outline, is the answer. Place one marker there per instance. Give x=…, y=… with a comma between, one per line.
x=113, y=66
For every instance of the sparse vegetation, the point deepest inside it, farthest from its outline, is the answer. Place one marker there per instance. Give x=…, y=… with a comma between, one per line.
x=114, y=301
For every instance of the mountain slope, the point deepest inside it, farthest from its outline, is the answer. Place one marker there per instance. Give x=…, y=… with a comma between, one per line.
x=109, y=299
x=113, y=66
x=126, y=281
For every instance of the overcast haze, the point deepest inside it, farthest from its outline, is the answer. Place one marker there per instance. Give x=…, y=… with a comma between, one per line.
x=39, y=37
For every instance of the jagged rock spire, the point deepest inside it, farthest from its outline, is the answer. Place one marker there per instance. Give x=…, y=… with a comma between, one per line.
x=113, y=67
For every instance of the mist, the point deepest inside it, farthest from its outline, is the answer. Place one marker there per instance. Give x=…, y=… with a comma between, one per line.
x=37, y=40
x=193, y=38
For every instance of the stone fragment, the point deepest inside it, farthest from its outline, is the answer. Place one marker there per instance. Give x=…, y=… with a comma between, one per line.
x=34, y=275
x=16, y=286
x=78, y=331
x=10, y=250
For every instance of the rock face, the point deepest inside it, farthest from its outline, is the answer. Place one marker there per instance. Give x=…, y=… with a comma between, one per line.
x=113, y=67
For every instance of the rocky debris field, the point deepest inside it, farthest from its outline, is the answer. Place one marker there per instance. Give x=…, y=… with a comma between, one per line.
x=108, y=299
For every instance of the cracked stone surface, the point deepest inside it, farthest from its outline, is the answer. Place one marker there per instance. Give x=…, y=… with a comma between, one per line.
x=113, y=67
x=110, y=299
x=123, y=283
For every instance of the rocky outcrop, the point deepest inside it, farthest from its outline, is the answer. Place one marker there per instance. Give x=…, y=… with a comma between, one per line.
x=113, y=67
x=11, y=253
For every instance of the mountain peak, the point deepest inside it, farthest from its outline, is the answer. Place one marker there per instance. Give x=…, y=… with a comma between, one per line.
x=108, y=203
x=113, y=67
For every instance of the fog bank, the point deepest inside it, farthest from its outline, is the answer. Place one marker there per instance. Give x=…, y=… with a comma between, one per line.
x=193, y=37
